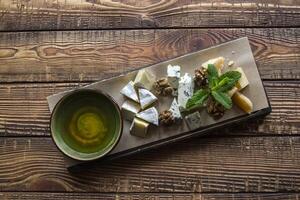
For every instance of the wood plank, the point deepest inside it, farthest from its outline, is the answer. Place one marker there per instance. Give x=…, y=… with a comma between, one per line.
x=96, y=14
x=93, y=55
x=233, y=164
x=148, y=196
x=24, y=110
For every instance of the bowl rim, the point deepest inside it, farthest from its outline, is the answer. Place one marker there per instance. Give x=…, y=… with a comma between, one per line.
x=95, y=91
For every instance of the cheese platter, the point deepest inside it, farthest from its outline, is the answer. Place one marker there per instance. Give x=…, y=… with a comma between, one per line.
x=187, y=96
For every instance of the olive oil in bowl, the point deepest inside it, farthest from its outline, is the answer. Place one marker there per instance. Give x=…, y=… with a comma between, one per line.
x=86, y=124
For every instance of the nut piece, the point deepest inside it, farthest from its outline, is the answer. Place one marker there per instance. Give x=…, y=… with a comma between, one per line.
x=215, y=109
x=166, y=118
x=230, y=63
x=162, y=87
x=200, y=78
x=168, y=91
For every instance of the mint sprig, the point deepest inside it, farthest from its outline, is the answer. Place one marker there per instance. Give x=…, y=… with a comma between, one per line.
x=197, y=99
x=217, y=88
x=222, y=98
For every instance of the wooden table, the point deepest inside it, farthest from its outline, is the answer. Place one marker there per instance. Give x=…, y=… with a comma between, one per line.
x=53, y=45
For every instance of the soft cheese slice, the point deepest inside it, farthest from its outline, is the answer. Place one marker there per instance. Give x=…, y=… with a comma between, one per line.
x=217, y=62
x=243, y=81
x=139, y=127
x=144, y=79
x=146, y=98
x=130, y=92
x=185, y=89
x=193, y=120
x=150, y=115
x=173, y=75
x=175, y=110
x=130, y=109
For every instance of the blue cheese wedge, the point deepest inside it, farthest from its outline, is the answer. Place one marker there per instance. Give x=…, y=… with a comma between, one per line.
x=139, y=127
x=146, y=98
x=243, y=81
x=175, y=110
x=144, y=79
x=185, y=89
x=173, y=75
x=150, y=115
x=130, y=92
x=193, y=120
x=130, y=109
x=217, y=62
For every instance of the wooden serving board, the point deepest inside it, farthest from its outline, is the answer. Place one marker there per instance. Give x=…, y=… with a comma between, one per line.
x=238, y=50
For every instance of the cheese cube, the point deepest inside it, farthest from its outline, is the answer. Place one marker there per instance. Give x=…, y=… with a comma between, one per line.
x=139, y=127
x=130, y=109
x=185, y=89
x=193, y=120
x=129, y=92
x=173, y=75
x=243, y=81
x=144, y=79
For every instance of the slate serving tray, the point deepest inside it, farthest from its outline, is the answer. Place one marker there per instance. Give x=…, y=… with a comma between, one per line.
x=238, y=50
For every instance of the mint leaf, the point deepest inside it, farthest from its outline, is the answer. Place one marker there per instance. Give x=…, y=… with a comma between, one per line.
x=222, y=98
x=212, y=70
x=234, y=75
x=212, y=75
x=227, y=81
x=221, y=83
x=197, y=99
x=230, y=83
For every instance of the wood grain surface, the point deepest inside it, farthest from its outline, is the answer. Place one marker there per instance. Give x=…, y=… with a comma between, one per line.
x=93, y=55
x=48, y=46
x=217, y=164
x=102, y=14
x=24, y=109
x=147, y=196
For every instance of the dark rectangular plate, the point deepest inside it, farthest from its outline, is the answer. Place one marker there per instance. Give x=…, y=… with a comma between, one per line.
x=238, y=50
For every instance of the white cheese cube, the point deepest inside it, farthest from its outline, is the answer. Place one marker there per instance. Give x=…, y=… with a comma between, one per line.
x=243, y=81
x=130, y=92
x=173, y=71
x=173, y=75
x=146, y=98
x=175, y=110
x=150, y=115
x=185, y=89
x=130, y=109
x=193, y=120
x=144, y=79
x=139, y=127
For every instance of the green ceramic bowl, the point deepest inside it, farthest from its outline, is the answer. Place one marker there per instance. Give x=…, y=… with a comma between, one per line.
x=86, y=124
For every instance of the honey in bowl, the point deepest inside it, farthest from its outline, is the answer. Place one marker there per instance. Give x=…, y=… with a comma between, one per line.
x=86, y=124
